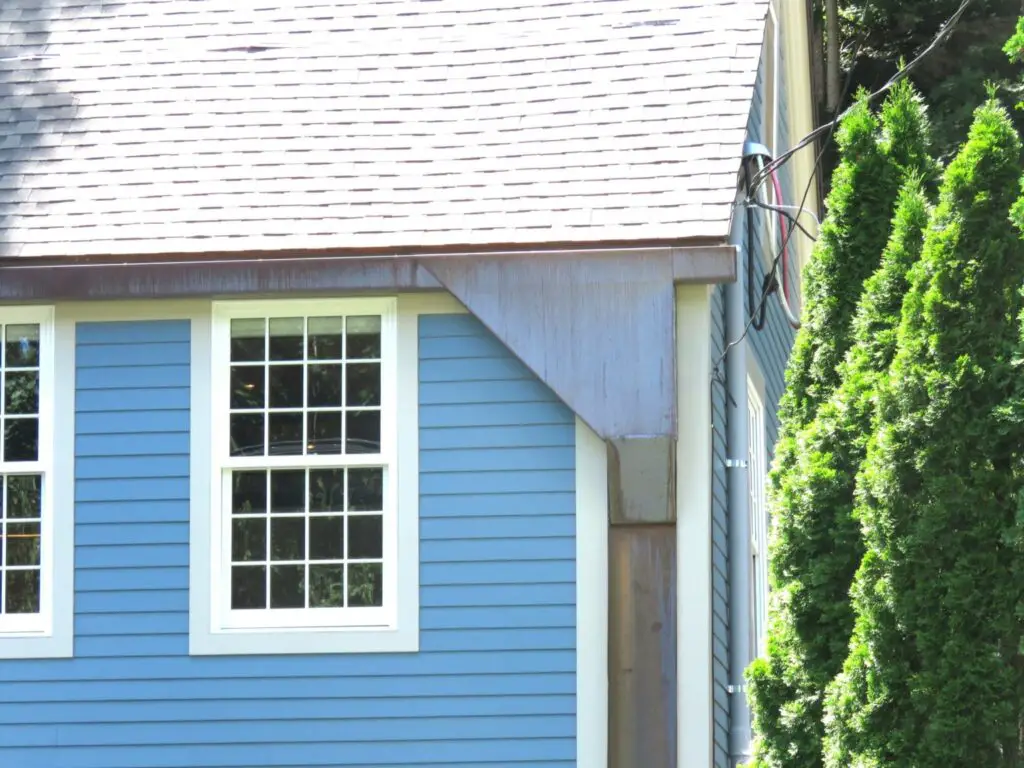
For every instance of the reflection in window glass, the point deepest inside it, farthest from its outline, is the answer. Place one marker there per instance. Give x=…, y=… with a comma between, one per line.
x=302, y=534
x=319, y=544
x=20, y=544
x=304, y=386
x=20, y=371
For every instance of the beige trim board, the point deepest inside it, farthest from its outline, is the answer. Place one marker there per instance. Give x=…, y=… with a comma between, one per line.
x=695, y=724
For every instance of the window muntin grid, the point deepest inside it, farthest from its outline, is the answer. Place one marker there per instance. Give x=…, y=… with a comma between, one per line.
x=307, y=398
x=21, y=515
x=307, y=538
x=757, y=478
x=21, y=544
x=305, y=385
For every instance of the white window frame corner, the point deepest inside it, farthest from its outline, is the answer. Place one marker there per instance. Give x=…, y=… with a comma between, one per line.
x=50, y=633
x=395, y=626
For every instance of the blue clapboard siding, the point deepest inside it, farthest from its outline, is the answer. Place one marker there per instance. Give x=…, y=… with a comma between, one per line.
x=771, y=347
x=494, y=683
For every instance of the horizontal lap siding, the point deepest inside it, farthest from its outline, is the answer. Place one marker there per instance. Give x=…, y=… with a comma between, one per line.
x=719, y=543
x=494, y=683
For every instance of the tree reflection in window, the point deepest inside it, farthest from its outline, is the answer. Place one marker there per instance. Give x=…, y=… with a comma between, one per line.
x=307, y=538
x=313, y=536
x=305, y=386
x=21, y=502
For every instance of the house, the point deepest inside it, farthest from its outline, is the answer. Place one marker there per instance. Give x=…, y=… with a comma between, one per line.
x=358, y=360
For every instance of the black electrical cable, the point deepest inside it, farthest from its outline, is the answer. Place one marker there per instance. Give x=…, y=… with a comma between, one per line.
x=831, y=124
x=759, y=313
x=751, y=201
x=944, y=31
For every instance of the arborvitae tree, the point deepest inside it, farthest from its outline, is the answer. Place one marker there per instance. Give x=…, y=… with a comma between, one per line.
x=846, y=422
x=934, y=673
x=816, y=544
x=832, y=449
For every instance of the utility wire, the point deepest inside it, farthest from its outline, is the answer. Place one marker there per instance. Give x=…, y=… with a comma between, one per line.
x=944, y=32
x=828, y=127
x=782, y=210
x=767, y=290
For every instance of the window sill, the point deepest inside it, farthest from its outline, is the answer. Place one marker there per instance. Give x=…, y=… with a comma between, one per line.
x=24, y=645
x=303, y=641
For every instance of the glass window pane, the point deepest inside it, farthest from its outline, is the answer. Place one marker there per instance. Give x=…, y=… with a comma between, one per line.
x=247, y=386
x=365, y=537
x=246, y=434
x=248, y=587
x=324, y=386
x=326, y=490
x=287, y=490
x=366, y=489
x=288, y=538
x=286, y=386
x=21, y=593
x=287, y=586
x=22, y=540
x=285, y=434
x=249, y=492
x=326, y=586
x=362, y=432
x=248, y=539
x=365, y=585
x=325, y=338
x=362, y=338
x=286, y=338
x=248, y=342
x=21, y=346
x=323, y=430
x=362, y=384
x=21, y=439
x=21, y=392
x=23, y=497
x=327, y=538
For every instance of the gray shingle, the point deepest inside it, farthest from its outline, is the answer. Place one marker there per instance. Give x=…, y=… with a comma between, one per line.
x=193, y=125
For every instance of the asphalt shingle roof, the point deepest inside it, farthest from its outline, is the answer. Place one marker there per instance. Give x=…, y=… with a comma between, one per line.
x=168, y=126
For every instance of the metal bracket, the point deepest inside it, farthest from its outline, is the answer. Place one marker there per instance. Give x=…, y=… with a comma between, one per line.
x=736, y=463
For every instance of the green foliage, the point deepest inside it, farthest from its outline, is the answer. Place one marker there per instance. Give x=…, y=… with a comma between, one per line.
x=1014, y=49
x=933, y=676
x=953, y=77
x=816, y=544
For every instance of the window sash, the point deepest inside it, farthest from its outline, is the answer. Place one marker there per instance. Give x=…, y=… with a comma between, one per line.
x=757, y=478
x=37, y=624
x=225, y=618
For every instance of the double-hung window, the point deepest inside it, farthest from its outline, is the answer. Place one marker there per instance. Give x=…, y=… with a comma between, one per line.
x=27, y=554
x=757, y=475
x=304, y=533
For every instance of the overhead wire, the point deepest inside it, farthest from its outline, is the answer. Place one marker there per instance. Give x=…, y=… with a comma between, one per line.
x=944, y=31
x=766, y=291
x=829, y=127
x=783, y=210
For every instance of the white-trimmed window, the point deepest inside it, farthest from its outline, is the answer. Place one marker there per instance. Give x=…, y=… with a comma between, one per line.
x=27, y=552
x=304, y=494
x=757, y=473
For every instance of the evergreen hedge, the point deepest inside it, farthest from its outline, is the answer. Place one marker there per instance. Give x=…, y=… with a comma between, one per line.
x=933, y=677
x=816, y=543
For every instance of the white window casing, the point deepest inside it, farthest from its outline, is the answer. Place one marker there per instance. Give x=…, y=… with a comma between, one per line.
x=757, y=463
x=264, y=572
x=36, y=521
